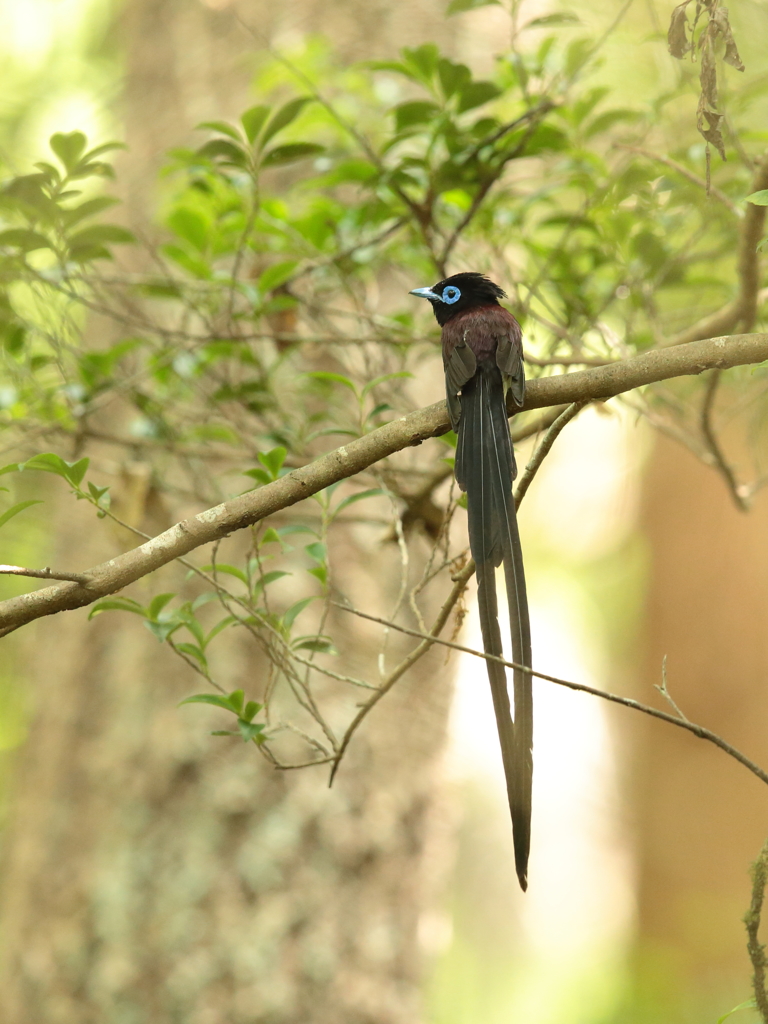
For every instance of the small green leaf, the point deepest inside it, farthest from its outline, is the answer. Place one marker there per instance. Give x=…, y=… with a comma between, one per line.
x=261, y=476
x=68, y=147
x=459, y=6
x=295, y=610
x=191, y=226
x=414, y=112
x=162, y=630
x=276, y=275
x=193, y=651
x=15, y=509
x=316, y=551
x=100, y=234
x=401, y=374
x=318, y=644
x=477, y=93
x=271, y=536
x=229, y=152
x=211, y=698
x=248, y=730
x=748, y=1005
x=157, y=604
x=250, y=709
x=24, y=239
x=273, y=460
x=88, y=209
x=345, y=502
x=117, y=604
x=320, y=572
x=284, y=116
x=236, y=700
x=49, y=462
x=559, y=18
x=757, y=198
x=229, y=570
x=220, y=126
x=253, y=121
x=332, y=378
x=290, y=152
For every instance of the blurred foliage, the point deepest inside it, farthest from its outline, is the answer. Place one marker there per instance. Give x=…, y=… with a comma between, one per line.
x=274, y=320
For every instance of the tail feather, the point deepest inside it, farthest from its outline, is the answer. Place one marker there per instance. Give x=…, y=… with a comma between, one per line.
x=485, y=469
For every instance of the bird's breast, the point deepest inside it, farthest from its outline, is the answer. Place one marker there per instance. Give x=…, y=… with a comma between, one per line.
x=480, y=329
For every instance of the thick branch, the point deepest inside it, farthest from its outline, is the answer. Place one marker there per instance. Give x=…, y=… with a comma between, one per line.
x=595, y=383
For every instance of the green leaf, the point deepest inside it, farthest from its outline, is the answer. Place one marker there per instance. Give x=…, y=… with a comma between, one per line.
x=316, y=551
x=191, y=226
x=477, y=93
x=230, y=153
x=49, y=462
x=236, y=700
x=271, y=536
x=253, y=121
x=373, y=492
x=88, y=209
x=270, y=577
x=295, y=610
x=559, y=18
x=68, y=147
x=229, y=570
x=157, y=604
x=414, y=112
x=24, y=239
x=248, y=730
x=212, y=698
x=162, y=630
x=332, y=378
x=250, y=709
x=290, y=152
x=759, y=198
x=459, y=6
x=452, y=76
x=276, y=275
x=318, y=644
x=117, y=604
x=228, y=620
x=273, y=460
x=750, y=1004
x=220, y=126
x=100, y=234
x=401, y=374
x=193, y=651
x=15, y=509
x=284, y=116
x=261, y=476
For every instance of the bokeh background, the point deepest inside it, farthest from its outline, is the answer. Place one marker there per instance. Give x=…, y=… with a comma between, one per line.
x=643, y=835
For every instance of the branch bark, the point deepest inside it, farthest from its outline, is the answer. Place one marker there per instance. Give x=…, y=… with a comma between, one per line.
x=598, y=383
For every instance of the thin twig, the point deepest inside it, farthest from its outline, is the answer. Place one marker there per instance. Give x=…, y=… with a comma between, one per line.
x=685, y=173
x=755, y=948
x=713, y=444
x=698, y=730
x=45, y=574
x=545, y=447
x=663, y=690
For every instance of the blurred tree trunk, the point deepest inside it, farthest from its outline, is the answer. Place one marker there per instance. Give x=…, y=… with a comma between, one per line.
x=150, y=873
x=701, y=818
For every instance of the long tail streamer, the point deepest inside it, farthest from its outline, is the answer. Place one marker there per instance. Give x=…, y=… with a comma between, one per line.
x=485, y=469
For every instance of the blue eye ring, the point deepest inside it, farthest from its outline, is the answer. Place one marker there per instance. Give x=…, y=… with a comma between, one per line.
x=451, y=294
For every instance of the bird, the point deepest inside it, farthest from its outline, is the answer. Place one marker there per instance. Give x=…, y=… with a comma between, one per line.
x=483, y=360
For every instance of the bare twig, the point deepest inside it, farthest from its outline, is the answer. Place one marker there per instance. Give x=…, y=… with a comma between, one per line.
x=684, y=173
x=755, y=948
x=45, y=574
x=664, y=691
x=545, y=447
x=742, y=311
x=585, y=385
x=713, y=445
x=698, y=730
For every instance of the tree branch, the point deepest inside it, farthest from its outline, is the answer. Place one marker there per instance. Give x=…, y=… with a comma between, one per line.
x=215, y=523
x=698, y=730
x=755, y=948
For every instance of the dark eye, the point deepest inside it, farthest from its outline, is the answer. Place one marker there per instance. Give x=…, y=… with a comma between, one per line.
x=451, y=294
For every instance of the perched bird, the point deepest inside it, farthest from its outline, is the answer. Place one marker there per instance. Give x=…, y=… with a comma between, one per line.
x=483, y=360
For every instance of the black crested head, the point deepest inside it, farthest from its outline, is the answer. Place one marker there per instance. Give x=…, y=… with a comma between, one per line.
x=459, y=293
